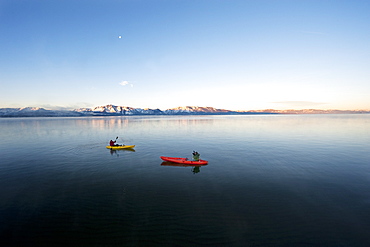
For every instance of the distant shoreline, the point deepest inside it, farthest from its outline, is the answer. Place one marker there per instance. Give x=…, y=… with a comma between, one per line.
x=112, y=110
x=180, y=114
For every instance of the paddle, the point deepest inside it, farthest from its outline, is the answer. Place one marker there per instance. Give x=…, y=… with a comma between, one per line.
x=118, y=144
x=115, y=141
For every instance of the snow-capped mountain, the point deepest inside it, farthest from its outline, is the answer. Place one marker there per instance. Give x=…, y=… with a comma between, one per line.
x=34, y=112
x=124, y=110
x=113, y=110
x=195, y=110
x=117, y=110
x=108, y=110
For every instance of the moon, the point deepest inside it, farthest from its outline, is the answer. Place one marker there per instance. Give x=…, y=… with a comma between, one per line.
x=119, y=36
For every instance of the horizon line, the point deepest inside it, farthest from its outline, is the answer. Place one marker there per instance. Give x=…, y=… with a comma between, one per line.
x=58, y=108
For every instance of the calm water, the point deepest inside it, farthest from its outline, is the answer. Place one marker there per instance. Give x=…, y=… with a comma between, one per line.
x=286, y=180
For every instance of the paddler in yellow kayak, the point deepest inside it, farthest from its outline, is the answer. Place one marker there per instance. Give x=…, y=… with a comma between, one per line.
x=113, y=143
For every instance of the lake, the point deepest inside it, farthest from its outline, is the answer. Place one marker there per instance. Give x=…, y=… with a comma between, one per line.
x=272, y=180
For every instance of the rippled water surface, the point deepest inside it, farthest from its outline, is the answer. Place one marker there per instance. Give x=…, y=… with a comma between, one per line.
x=272, y=180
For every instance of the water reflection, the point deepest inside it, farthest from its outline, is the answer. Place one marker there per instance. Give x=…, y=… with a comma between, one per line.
x=194, y=167
x=289, y=180
x=103, y=122
x=117, y=151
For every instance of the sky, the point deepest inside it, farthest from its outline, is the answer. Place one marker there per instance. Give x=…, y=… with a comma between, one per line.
x=227, y=54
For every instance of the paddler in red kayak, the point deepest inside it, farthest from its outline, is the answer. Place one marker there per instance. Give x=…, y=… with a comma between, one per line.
x=196, y=156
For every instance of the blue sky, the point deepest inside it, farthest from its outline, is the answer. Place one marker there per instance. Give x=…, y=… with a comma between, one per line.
x=229, y=54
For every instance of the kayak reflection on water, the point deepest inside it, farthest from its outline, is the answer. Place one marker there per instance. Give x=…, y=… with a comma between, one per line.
x=194, y=168
x=115, y=151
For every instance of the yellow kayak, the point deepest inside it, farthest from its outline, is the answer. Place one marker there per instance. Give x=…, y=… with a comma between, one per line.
x=120, y=147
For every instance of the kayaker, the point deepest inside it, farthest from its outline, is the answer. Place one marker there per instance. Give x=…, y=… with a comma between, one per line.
x=196, y=156
x=112, y=143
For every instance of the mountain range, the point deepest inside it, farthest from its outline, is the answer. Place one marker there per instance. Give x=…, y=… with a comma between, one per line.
x=113, y=110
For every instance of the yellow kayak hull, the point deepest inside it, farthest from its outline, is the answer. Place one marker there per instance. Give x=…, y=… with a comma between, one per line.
x=121, y=147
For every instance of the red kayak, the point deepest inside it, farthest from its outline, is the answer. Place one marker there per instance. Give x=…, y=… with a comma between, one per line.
x=184, y=161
